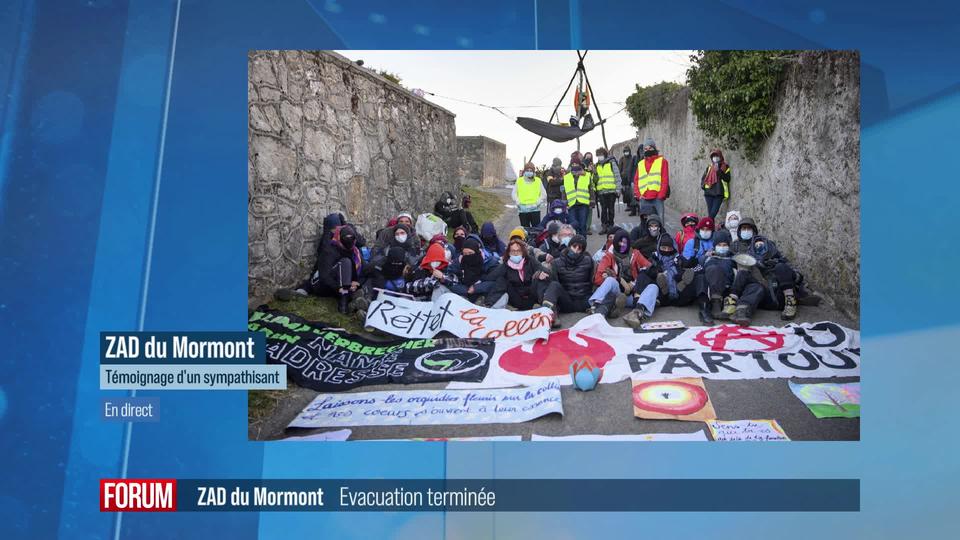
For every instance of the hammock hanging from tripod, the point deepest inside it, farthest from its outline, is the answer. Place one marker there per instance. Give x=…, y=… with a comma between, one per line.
x=580, y=123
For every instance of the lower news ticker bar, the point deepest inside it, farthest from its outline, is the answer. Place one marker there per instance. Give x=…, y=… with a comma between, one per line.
x=766, y=495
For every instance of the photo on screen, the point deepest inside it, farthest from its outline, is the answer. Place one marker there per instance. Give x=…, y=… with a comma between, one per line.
x=556, y=245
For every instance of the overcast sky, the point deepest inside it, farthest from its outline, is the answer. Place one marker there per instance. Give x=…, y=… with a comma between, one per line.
x=527, y=83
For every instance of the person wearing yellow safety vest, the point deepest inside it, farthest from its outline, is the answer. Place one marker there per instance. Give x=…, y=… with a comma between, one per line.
x=607, y=180
x=651, y=181
x=716, y=183
x=576, y=186
x=529, y=194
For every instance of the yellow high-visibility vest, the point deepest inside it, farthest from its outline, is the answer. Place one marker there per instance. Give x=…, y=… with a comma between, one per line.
x=528, y=193
x=579, y=191
x=605, y=179
x=649, y=181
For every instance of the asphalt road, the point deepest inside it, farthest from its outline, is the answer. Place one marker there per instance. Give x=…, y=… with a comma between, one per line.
x=608, y=410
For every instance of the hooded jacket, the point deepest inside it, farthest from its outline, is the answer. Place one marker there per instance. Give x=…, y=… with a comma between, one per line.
x=386, y=240
x=685, y=233
x=491, y=242
x=563, y=217
x=332, y=252
x=722, y=184
x=738, y=246
x=553, y=182
x=641, y=239
x=471, y=268
x=627, y=266
x=770, y=257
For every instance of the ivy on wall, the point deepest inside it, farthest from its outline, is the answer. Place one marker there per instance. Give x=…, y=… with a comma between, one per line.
x=733, y=95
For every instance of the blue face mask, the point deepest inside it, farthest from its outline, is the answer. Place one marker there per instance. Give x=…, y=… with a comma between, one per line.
x=515, y=259
x=723, y=250
x=746, y=234
x=760, y=248
x=528, y=174
x=565, y=240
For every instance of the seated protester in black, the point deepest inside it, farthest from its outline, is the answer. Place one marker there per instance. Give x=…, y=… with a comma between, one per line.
x=387, y=272
x=746, y=230
x=678, y=286
x=338, y=271
x=571, y=284
x=401, y=236
x=521, y=280
x=784, y=284
x=646, y=240
x=471, y=272
x=453, y=215
x=646, y=211
x=718, y=271
x=459, y=235
x=433, y=277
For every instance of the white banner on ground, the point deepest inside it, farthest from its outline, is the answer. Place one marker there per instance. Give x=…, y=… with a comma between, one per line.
x=412, y=319
x=725, y=351
x=425, y=407
x=491, y=438
x=336, y=435
x=696, y=436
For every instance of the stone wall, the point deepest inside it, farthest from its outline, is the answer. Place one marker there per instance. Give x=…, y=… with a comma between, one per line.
x=804, y=189
x=326, y=135
x=481, y=161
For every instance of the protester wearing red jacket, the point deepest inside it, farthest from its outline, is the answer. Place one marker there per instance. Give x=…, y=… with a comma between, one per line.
x=651, y=181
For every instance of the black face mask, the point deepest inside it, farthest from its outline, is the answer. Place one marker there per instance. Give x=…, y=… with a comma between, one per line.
x=667, y=254
x=347, y=241
x=472, y=261
x=393, y=269
x=649, y=153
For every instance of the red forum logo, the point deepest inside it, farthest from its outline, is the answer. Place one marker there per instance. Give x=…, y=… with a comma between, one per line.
x=554, y=356
x=732, y=338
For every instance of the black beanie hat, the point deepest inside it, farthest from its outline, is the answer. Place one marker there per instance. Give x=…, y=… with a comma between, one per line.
x=579, y=239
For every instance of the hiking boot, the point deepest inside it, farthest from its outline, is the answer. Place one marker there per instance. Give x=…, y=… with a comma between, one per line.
x=789, y=308
x=618, y=305
x=343, y=304
x=705, y=316
x=359, y=303
x=741, y=315
x=662, y=283
x=634, y=319
x=602, y=309
x=729, y=307
x=687, y=279
x=716, y=308
x=286, y=295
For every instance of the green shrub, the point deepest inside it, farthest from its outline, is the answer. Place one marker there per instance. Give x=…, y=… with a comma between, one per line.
x=733, y=95
x=647, y=101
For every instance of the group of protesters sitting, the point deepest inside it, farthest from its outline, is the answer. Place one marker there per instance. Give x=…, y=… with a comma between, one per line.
x=633, y=273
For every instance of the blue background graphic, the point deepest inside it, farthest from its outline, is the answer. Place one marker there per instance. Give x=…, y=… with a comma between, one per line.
x=123, y=207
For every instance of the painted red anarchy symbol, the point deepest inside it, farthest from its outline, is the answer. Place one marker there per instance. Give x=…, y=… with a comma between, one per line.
x=717, y=338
